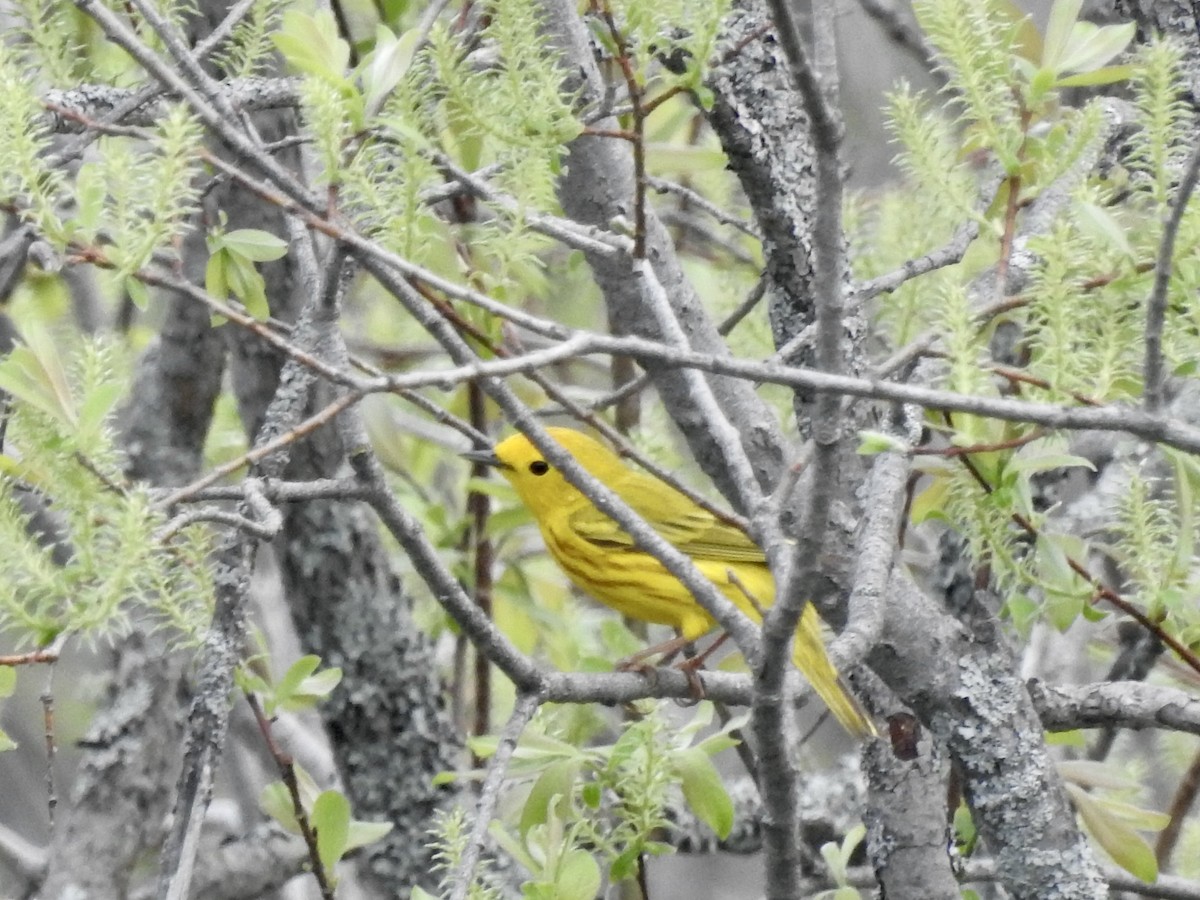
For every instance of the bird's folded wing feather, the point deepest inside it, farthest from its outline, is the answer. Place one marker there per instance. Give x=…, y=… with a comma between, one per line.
x=686, y=526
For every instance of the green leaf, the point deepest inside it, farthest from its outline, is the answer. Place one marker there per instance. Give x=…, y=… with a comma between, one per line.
x=1063, y=16
x=330, y=819
x=1126, y=847
x=578, y=876
x=871, y=443
x=363, y=833
x=254, y=244
x=386, y=65
x=8, y=681
x=276, y=801
x=34, y=374
x=964, y=829
x=216, y=284
x=592, y=794
x=138, y=293
x=703, y=789
x=483, y=745
x=90, y=194
x=311, y=45
x=1092, y=774
x=1099, y=223
x=556, y=780
x=1073, y=738
x=1091, y=46
x=247, y=285
x=312, y=689
x=6, y=742
x=513, y=847
x=96, y=407
x=625, y=865
x=1097, y=77
x=296, y=673
x=1139, y=818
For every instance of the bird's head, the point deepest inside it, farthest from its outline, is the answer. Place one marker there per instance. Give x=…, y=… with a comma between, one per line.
x=539, y=484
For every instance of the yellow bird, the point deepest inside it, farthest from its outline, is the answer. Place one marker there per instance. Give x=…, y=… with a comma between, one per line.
x=603, y=560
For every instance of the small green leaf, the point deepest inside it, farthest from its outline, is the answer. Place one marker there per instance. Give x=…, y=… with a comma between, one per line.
x=1073, y=738
x=592, y=794
x=964, y=829
x=704, y=791
x=247, y=285
x=312, y=689
x=363, y=833
x=1092, y=774
x=625, y=865
x=138, y=293
x=1092, y=46
x=6, y=743
x=1063, y=16
x=254, y=244
x=8, y=681
x=1097, y=77
x=1100, y=224
x=1126, y=847
x=578, y=876
x=251, y=683
x=90, y=194
x=34, y=373
x=276, y=801
x=483, y=745
x=556, y=781
x=296, y=673
x=96, y=407
x=311, y=45
x=514, y=848
x=871, y=443
x=216, y=284
x=330, y=819
x=386, y=65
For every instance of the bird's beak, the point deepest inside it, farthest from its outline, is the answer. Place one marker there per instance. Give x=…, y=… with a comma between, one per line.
x=484, y=457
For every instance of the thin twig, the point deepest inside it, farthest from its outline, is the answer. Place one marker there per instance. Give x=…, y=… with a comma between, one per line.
x=695, y=198
x=1181, y=805
x=639, y=130
x=1102, y=590
x=308, y=426
x=287, y=773
x=489, y=793
x=1156, y=308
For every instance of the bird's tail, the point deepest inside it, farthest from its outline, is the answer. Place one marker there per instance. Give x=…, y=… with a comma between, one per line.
x=809, y=655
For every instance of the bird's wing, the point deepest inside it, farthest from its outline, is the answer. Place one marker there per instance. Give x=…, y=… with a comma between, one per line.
x=686, y=526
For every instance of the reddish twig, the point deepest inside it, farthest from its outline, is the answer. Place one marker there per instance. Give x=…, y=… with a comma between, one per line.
x=1181, y=804
x=478, y=509
x=33, y=657
x=287, y=773
x=1101, y=591
x=639, y=131
x=953, y=451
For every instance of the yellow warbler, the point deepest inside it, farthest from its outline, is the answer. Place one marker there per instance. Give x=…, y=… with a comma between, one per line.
x=604, y=561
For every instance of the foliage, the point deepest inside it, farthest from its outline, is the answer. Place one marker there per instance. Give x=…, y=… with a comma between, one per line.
x=607, y=801
x=248, y=50
x=97, y=562
x=450, y=837
x=27, y=181
x=1079, y=321
x=328, y=815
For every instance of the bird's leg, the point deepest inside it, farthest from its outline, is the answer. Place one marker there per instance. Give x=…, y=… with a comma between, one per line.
x=668, y=649
x=697, y=662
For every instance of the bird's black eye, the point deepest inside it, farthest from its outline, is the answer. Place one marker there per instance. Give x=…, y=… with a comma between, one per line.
x=539, y=467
